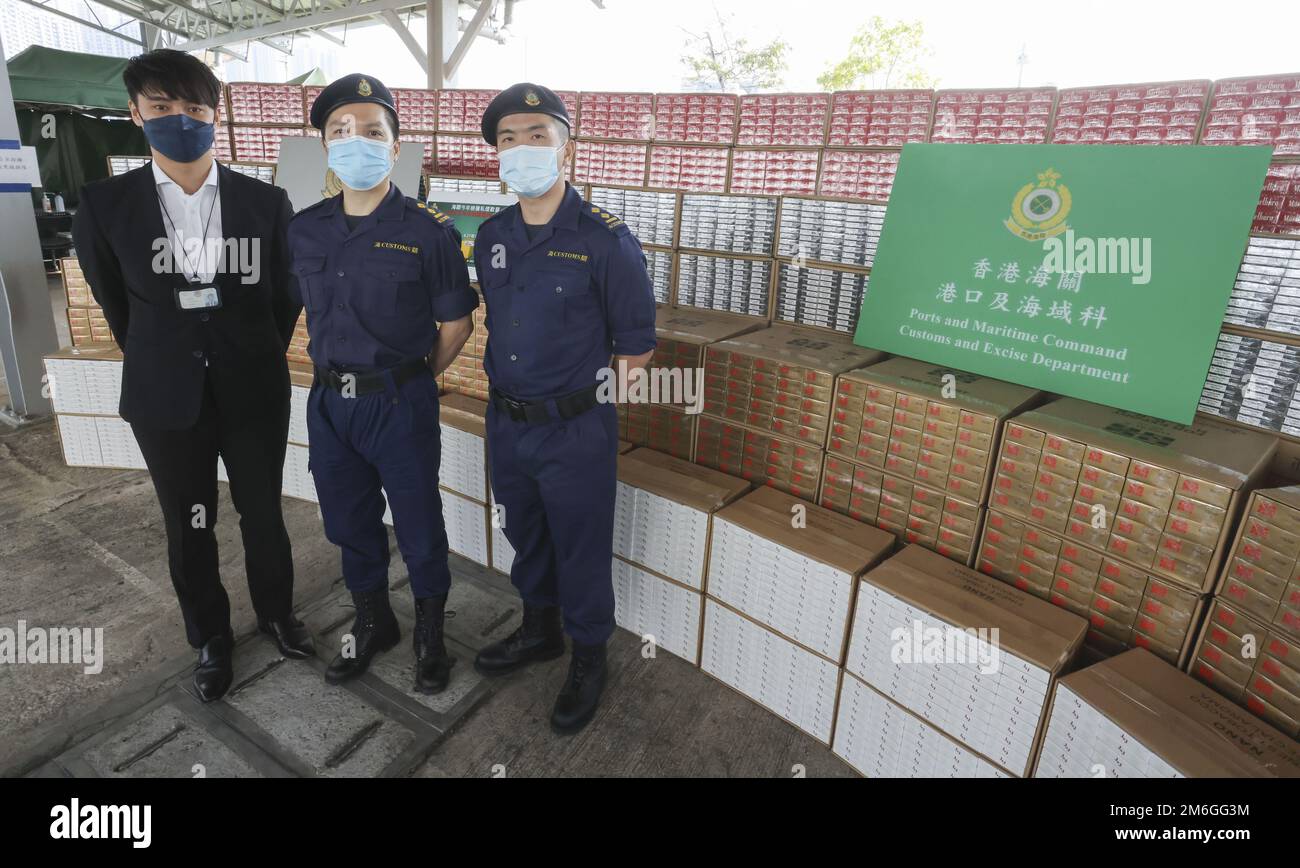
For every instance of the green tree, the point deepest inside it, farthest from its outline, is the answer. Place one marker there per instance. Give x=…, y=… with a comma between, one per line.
x=718, y=61
x=882, y=54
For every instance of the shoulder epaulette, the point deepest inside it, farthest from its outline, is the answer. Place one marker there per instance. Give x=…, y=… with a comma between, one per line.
x=433, y=212
x=610, y=221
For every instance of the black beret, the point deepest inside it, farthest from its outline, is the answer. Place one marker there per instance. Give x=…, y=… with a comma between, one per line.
x=523, y=98
x=350, y=88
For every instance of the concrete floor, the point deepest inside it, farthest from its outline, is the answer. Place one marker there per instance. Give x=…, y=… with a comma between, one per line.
x=84, y=547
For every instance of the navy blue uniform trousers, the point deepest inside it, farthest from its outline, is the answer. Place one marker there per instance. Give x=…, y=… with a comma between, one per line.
x=556, y=482
x=389, y=440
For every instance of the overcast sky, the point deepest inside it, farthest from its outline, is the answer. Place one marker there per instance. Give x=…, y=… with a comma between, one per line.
x=636, y=44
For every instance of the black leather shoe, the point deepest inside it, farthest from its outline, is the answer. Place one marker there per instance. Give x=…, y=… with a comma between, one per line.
x=578, y=699
x=215, y=669
x=374, y=630
x=290, y=635
x=538, y=638
x=432, y=665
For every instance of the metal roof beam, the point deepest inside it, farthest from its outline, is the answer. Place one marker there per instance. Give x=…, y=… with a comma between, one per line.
x=82, y=21
x=467, y=38
x=408, y=39
x=290, y=24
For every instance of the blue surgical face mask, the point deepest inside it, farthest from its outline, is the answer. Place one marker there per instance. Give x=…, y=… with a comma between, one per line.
x=179, y=137
x=360, y=163
x=530, y=170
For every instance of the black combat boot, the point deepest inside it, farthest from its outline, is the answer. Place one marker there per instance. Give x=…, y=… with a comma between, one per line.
x=538, y=638
x=576, y=704
x=432, y=665
x=373, y=630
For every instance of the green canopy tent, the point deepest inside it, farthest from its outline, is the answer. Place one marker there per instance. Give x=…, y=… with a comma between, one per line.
x=72, y=108
x=311, y=76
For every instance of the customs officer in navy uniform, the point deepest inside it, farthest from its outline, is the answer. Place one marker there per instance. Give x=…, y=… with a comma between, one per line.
x=568, y=300
x=388, y=301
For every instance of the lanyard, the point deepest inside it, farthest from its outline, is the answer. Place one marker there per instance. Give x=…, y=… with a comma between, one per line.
x=194, y=269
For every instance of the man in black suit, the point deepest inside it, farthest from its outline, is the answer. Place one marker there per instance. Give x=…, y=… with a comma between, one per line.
x=189, y=261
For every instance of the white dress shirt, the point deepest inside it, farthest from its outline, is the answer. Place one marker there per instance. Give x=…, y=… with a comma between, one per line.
x=184, y=218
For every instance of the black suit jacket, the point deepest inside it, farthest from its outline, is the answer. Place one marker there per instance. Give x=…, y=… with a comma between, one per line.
x=167, y=352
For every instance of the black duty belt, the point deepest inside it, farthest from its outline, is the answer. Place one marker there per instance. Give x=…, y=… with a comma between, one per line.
x=537, y=413
x=368, y=383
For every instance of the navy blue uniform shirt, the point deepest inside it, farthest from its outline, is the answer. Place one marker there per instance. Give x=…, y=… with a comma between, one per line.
x=559, y=305
x=375, y=294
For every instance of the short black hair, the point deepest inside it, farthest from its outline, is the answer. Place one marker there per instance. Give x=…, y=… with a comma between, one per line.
x=165, y=72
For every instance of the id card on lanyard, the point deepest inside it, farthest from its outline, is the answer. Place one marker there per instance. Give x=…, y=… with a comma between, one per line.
x=198, y=296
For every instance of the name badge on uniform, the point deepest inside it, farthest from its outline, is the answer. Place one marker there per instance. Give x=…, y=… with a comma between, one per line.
x=198, y=296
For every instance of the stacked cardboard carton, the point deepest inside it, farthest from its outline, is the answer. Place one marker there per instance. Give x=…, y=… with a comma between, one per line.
x=780, y=589
x=297, y=352
x=767, y=404
x=1135, y=716
x=669, y=423
x=463, y=475
x=1118, y=516
x=927, y=692
x=662, y=523
x=85, y=384
x=86, y=323
x=1251, y=663
x=1262, y=575
x=910, y=449
x=465, y=375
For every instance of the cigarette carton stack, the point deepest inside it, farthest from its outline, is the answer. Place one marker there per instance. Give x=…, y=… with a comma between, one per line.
x=662, y=523
x=767, y=404
x=462, y=476
x=910, y=449
x=85, y=385
x=666, y=420
x=1252, y=663
x=780, y=589
x=948, y=672
x=1123, y=514
x=297, y=481
x=86, y=323
x=465, y=375
x=1135, y=716
x=297, y=352
x=1262, y=574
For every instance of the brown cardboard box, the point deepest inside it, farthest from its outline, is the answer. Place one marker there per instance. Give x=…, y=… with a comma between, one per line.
x=1126, y=607
x=1182, y=484
x=659, y=580
x=912, y=511
x=796, y=619
x=780, y=379
x=1036, y=642
x=664, y=427
x=1264, y=560
x=679, y=480
x=758, y=456
x=1251, y=662
x=954, y=436
x=1169, y=724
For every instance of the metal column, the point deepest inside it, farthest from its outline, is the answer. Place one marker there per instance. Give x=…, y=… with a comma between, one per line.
x=26, y=318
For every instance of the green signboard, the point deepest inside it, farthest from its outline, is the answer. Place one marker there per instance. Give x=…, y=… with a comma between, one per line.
x=468, y=211
x=1100, y=272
